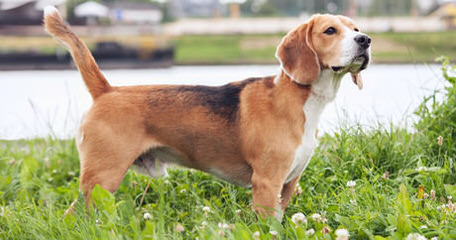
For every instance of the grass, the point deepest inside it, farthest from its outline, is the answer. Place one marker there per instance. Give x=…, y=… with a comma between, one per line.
x=226, y=49
x=48, y=45
x=395, y=172
x=386, y=48
x=236, y=49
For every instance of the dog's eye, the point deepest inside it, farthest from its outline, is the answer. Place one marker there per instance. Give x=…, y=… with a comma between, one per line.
x=356, y=30
x=330, y=31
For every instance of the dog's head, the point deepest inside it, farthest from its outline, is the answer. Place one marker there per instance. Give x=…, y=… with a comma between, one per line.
x=324, y=42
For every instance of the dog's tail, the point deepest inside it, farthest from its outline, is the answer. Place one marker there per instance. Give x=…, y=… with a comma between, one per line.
x=93, y=78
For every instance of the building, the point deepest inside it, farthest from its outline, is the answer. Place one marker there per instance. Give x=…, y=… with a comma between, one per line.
x=446, y=12
x=125, y=12
x=25, y=12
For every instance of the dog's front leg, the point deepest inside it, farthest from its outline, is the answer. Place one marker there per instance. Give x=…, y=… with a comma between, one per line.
x=266, y=189
x=287, y=192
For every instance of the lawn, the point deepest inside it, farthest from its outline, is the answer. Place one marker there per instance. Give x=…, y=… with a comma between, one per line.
x=386, y=48
x=377, y=183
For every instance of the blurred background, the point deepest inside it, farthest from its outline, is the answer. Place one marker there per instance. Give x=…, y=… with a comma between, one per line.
x=210, y=42
x=145, y=33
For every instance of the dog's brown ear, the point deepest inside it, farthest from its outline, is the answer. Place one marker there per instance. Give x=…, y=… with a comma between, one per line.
x=297, y=57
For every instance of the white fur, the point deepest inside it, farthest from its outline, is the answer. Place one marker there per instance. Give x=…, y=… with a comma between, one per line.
x=324, y=90
x=48, y=10
x=349, y=47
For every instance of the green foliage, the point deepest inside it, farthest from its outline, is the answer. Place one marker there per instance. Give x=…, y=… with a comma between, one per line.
x=438, y=121
x=394, y=171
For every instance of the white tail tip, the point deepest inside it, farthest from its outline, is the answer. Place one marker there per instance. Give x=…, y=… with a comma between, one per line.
x=50, y=10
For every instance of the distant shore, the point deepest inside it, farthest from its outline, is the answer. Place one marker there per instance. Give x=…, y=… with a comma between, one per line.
x=397, y=48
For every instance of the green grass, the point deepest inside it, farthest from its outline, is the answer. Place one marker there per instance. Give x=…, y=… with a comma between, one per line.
x=393, y=169
x=226, y=49
x=248, y=49
x=386, y=48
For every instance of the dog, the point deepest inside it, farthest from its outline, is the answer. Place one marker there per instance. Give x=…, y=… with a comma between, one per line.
x=258, y=133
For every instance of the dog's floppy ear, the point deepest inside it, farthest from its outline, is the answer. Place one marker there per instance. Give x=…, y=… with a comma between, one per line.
x=297, y=57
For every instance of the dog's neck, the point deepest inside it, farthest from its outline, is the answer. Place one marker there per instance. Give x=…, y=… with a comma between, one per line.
x=327, y=85
x=324, y=87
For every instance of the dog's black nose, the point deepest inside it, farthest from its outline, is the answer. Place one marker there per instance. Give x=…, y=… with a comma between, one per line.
x=363, y=41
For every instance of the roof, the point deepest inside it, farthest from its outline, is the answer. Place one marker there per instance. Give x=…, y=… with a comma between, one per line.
x=91, y=9
x=39, y=4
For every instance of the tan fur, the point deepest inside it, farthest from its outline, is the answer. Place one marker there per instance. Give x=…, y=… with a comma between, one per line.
x=251, y=141
x=93, y=78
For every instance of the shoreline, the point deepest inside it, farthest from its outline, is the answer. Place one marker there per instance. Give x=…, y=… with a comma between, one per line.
x=132, y=65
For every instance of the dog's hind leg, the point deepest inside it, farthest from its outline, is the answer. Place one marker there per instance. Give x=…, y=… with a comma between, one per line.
x=105, y=155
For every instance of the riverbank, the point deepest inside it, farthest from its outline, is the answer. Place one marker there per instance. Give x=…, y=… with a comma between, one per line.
x=254, y=48
x=260, y=49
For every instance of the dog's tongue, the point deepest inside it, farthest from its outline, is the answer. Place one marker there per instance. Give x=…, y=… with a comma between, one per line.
x=357, y=79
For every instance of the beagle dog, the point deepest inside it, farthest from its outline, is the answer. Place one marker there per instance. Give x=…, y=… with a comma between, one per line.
x=259, y=133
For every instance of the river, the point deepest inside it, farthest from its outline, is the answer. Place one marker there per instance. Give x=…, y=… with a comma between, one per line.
x=51, y=103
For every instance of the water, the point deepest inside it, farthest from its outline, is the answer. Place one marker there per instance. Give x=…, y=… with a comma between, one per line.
x=43, y=103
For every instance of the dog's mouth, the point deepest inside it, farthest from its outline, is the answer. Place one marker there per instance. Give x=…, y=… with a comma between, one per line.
x=358, y=64
x=362, y=59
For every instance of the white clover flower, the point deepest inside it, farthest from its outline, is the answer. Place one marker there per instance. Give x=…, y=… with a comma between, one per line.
x=298, y=218
x=421, y=168
x=434, y=238
x=298, y=190
x=449, y=197
x=351, y=184
x=323, y=219
x=352, y=201
x=310, y=232
x=273, y=233
x=425, y=195
x=256, y=235
x=451, y=206
x=432, y=194
x=440, y=140
x=386, y=175
x=342, y=232
x=179, y=228
x=238, y=212
x=203, y=224
x=147, y=216
x=206, y=210
x=415, y=236
x=54, y=171
x=316, y=217
x=183, y=191
x=223, y=225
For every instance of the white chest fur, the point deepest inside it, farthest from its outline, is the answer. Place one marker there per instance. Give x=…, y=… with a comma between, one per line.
x=324, y=91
